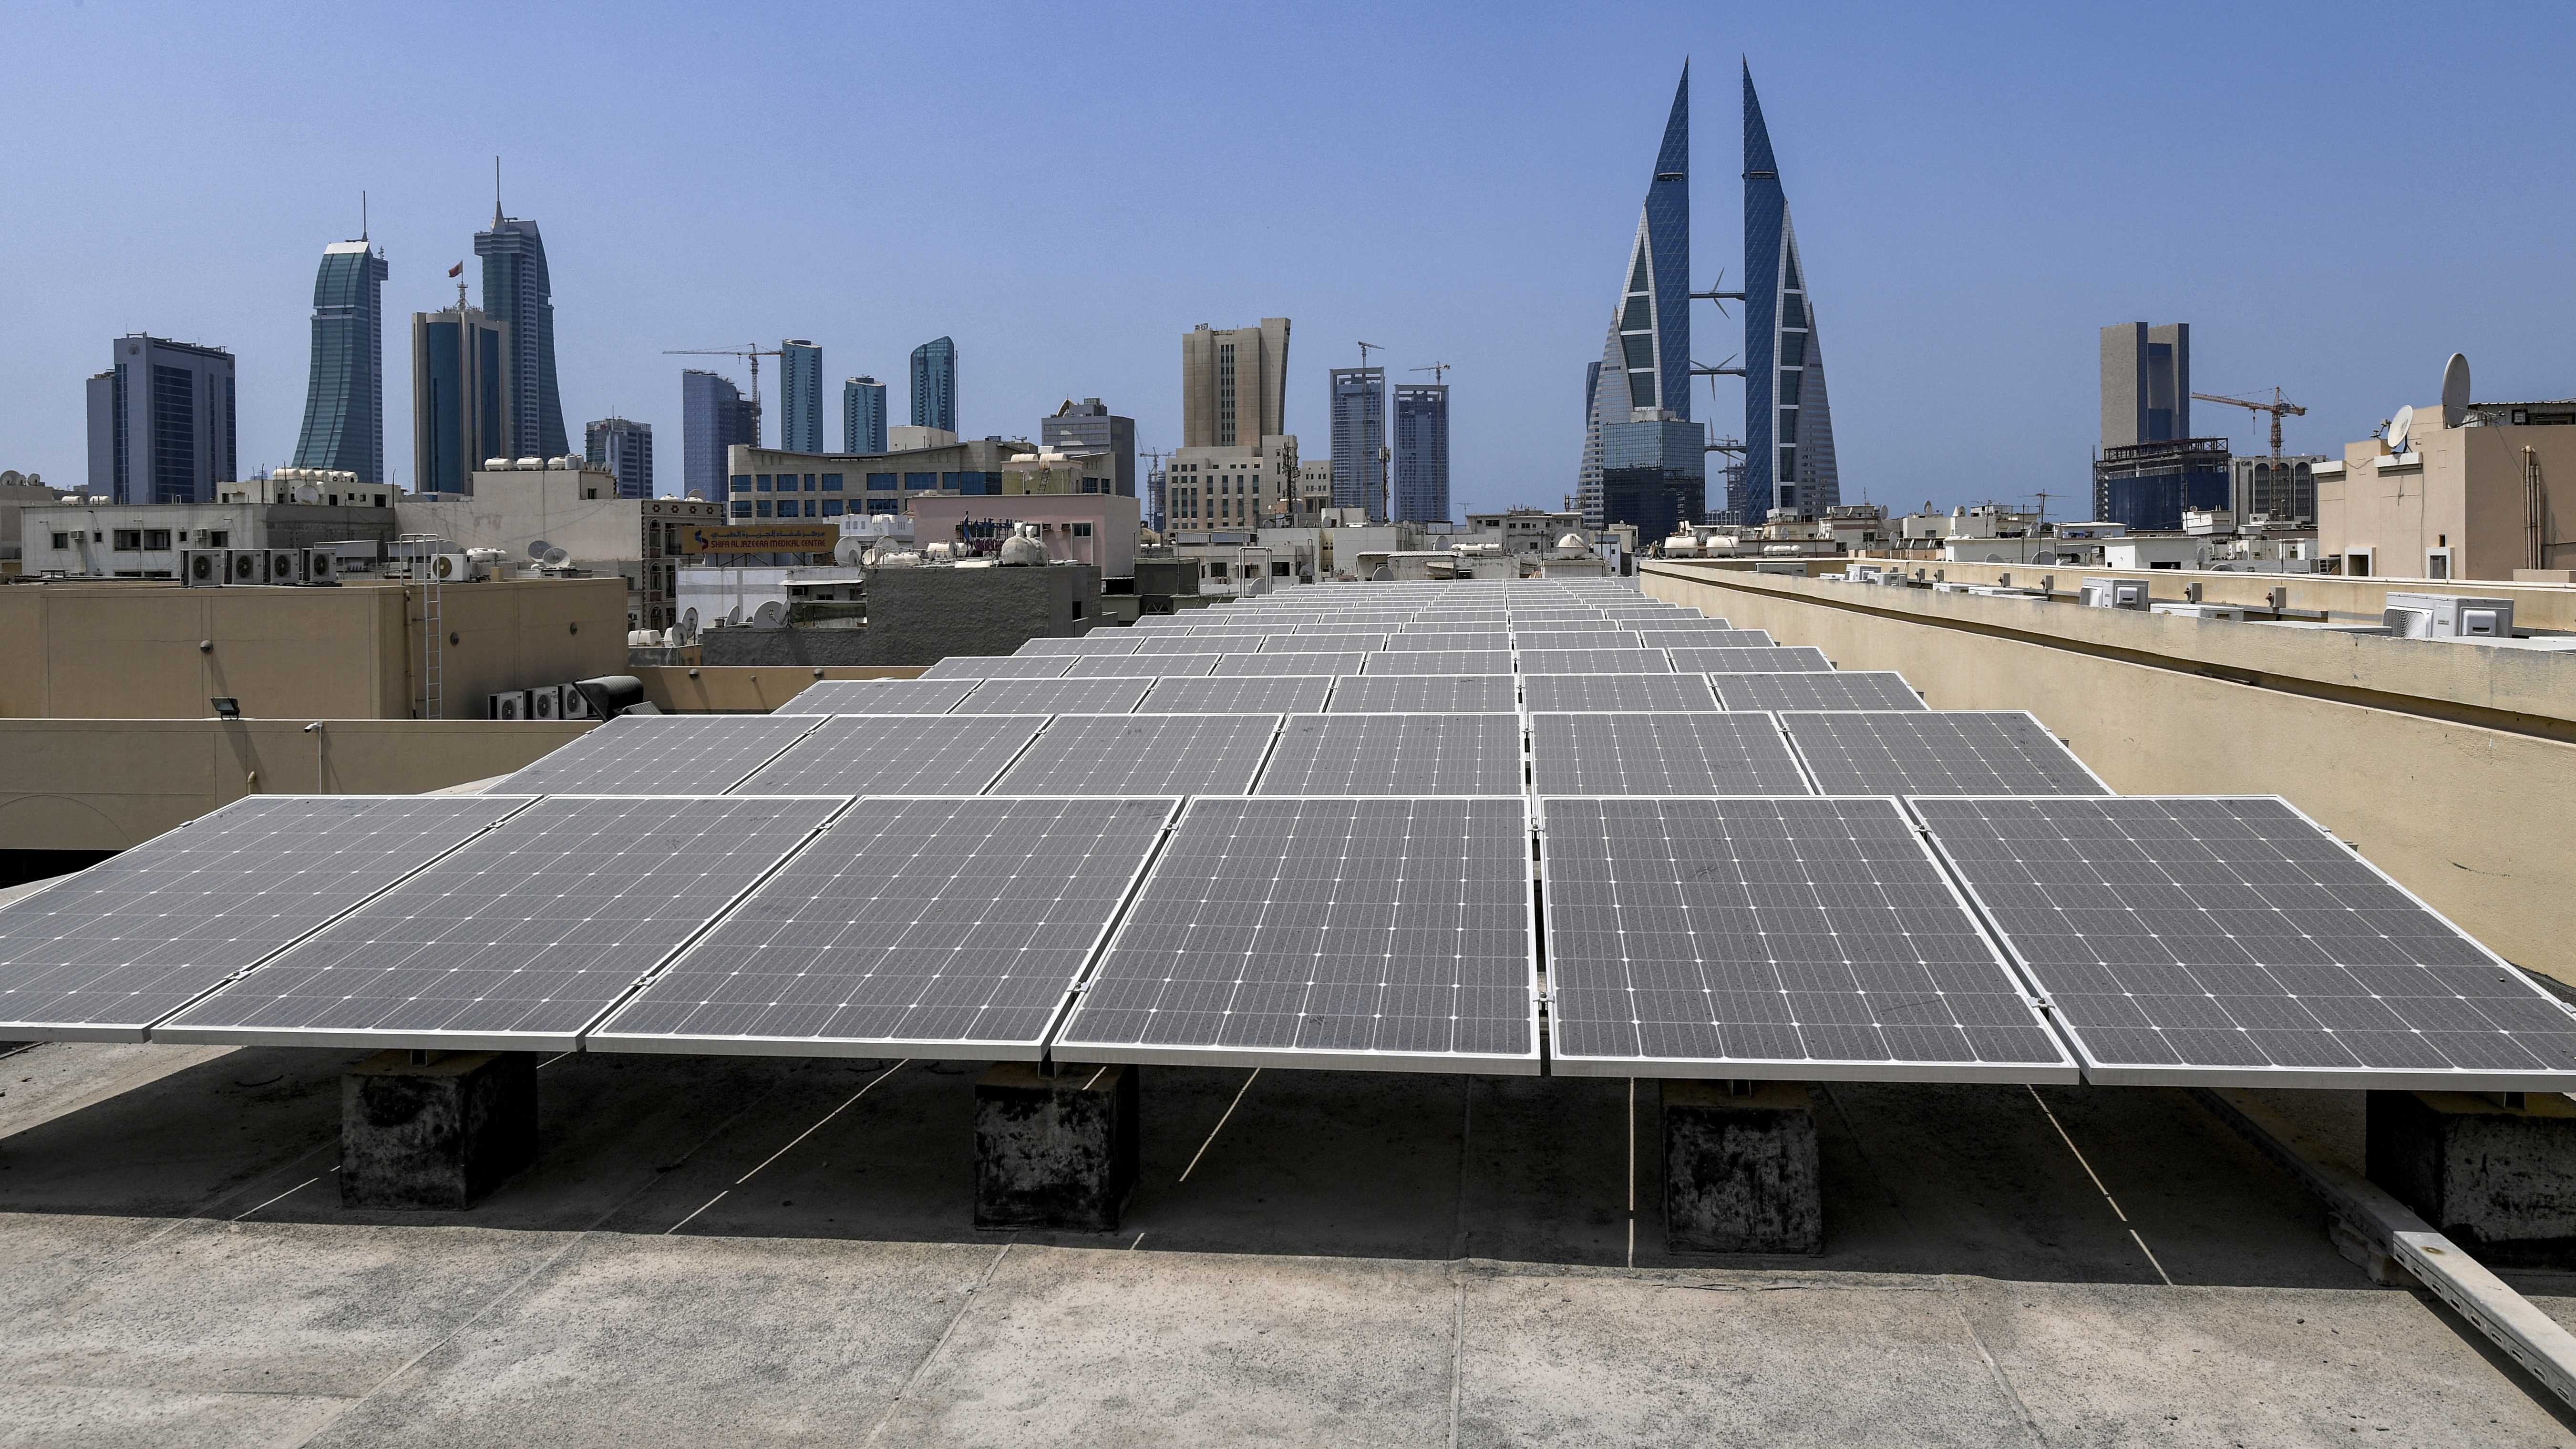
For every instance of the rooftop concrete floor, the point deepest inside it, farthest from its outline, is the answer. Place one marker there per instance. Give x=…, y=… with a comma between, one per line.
x=742, y=1251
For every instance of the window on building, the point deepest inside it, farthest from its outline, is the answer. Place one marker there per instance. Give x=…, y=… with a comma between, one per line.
x=129, y=540
x=885, y=505
x=832, y=507
x=760, y=483
x=741, y=482
x=62, y=540
x=761, y=509
x=1082, y=530
x=1279, y=570
x=831, y=482
x=882, y=482
x=809, y=507
x=219, y=538
x=156, y=538
x=742, y=508
x=920, y=480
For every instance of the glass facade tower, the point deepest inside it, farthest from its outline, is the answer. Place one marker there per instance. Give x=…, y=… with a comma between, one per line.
x=1788, y=426
x=460, y=391
x=934, y=385
x=863, y=416
x=1645, y=361
x=518, y=292
x=624, y=447
x=161, y=423
x=714, y=415
x=344, y=396
x=1421, y=467
x=800, y=397
x=1359, y=439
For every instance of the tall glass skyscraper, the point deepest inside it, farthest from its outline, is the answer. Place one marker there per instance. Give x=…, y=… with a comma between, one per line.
x=714, y=415
x=800, y=397
x=1645, y=362
x=161, y=422
x=1788, y=428
x=1359, y=439
x=625, y=448
x=344, y=396
x=1421, y=470
x=519, y=293
x=460, y=395
x=863, y=416
x=934, y=385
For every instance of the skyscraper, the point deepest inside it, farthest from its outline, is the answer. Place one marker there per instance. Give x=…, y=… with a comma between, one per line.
x=344, y=396
x=460, y=396
x=1788, y=428
x=624, y=448
x=2146, y=383
x=934, y=385
x=1359, y=439
x=1645, y=362
x=800, y=397
x=1089, y=427
x=714, y=415
x=863, y=416
x=161, y=422
x=1421, y=471
x=1234, y=384
x=518, y=292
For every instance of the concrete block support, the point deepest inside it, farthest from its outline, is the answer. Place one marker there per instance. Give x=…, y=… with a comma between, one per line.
x=1740, y=1168
x=435, y=1129
x=2497, y=1174
x=1055, y=1151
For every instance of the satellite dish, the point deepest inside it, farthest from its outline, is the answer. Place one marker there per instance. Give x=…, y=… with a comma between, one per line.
x=537, y=550
x=2400, y=428
x=771, y=615
x=2455, y=391
x=850, y=552
x=734, y=615
x=556, y=558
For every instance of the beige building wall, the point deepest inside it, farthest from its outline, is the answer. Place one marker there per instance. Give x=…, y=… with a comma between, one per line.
x=2467, y=494
x=1255, y=406
x=2472, y=817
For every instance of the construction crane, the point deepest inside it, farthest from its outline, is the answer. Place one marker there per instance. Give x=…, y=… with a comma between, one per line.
x=2276, y=407
x=1439, y=372
x=752, y=350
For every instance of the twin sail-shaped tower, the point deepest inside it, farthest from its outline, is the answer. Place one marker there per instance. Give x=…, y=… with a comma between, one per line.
x=1642, y=456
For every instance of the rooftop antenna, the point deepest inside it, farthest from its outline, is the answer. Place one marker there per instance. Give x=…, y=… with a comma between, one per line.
x=362, y=215
x=496, y=192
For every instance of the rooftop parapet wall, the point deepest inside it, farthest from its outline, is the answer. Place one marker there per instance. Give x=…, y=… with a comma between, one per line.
x=2449, y=765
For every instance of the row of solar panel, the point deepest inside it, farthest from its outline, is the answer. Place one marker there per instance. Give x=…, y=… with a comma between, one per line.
x=1277, y=693
x=1732, y=659
x=1315, y=638
x=1643, y=752
x=2130, y=939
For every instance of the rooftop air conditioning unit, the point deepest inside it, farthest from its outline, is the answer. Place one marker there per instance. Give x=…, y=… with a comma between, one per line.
x=282, y=566
x=511, y=704
x=321, y=565
x=545, y=702
x=204, y=568
x=576, y=705
x=2202, y=611
x=2116, y=594
x=245, y=566
x=450, y=568
x=2448, y=616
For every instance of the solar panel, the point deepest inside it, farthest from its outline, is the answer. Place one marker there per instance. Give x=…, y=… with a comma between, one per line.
x=1593, y=661
x=998, y=666
x=1425, y=694
x=1323, y=641
x=1129, y=666
x=105, y=953
x=1668, y=638
x=519, y=939
x=1342, y=662
x=1396, y=754
x=1443, y=661
x=1098, y=641
x=1056, y=696
x=1542, y=613
x=1239, y=694
x=1830, y=689
x=955, y=925
x=1143, y=754
x=1949, y=752
x=1594, y=693
x=1706, y=753
x=1548, y=637
x=878, y=696
x=1376, y=934
x=661, y=754
x=1779, y=659
x=2230, y=940
x=1411, y=642
x=893, y=755
x=1804, y=939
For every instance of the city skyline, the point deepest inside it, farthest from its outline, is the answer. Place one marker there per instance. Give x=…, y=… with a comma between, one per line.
x=1905, y=232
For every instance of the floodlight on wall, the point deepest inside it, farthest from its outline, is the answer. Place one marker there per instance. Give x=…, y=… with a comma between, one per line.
x=226, y=707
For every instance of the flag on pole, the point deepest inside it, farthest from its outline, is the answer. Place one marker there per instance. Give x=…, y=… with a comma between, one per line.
x=456, y=271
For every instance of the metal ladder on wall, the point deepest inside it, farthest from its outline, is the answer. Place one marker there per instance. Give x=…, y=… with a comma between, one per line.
x=433, y=628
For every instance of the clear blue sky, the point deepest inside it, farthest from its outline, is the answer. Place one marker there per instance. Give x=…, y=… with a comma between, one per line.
x=2335, y=196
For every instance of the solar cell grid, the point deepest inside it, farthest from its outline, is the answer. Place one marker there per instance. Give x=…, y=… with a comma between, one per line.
x=1440, y=662
x=1596, y=693
x=1667, y=638
x=1778, y=659
x=1675, y=753
x=1829, y=689
x=1098, y=641
x=1548, y=636
x=893, y=755
x=1380, y=693
x=1056, y=696
x=1322, y=641
x=2228, y=939
x=1395, y=754
x=930, y=923
x=103, y=954
x=878, y=696
x=1450, y=642
x=998, y=666
x=658, y=754
x=1592, y=661
x=1143, y=754
x=1808, y=939
x=1949, y=752
x=1132, y=666
x=1239, y=694
x=518, y=939
x=1374, y=934
x=1342, y=662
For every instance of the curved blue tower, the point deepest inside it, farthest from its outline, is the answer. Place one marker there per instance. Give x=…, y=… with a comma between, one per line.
x=1788, y=428
x=1645, y=363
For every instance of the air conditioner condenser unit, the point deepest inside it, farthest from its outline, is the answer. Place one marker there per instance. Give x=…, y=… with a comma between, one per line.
x=545, y=702
x=204, y=568
x=510, y=704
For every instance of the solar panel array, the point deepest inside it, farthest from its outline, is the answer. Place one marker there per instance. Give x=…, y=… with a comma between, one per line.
x=1314, y=828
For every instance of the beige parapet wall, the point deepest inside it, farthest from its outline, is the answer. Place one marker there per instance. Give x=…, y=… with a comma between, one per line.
x=2450, y=766
x=73, y=784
